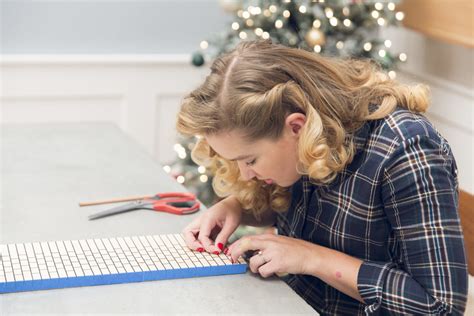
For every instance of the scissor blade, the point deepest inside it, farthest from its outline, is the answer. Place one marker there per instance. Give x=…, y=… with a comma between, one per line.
x=117, y=210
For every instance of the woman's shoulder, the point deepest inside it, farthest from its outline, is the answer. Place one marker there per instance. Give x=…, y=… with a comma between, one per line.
x=396, y=131
x=403, y=125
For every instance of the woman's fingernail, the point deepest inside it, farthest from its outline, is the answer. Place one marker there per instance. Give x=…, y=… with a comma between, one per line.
x=200, y=249
x=225, y=250
x=220, y=246
x=216, y=252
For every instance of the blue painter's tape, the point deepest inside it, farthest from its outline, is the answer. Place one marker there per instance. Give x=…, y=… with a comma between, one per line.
x=45, y=284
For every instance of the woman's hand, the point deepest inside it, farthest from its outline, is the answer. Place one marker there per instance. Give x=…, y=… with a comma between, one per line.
x=276, y=254
x=211, y=230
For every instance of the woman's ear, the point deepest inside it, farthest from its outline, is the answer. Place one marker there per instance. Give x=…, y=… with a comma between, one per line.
x=295, y=122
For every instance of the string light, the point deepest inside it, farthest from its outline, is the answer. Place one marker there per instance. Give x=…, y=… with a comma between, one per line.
x=347, y=22
x=317, y=24
x=400, y=16
x=267, y=13
x=346, y=11
x=379, y=6
x=245, y=14
x=392, y=74
x=180, y=179
x=243, y=35
x=402, y=57
x=340, y=45
x=317, y=48
x=265, y=35
x=333, y=21
x=286, y=13
x=258, y=31
x=273, y=8
x=201, y=169
x=302, y=9
x=235, y=26
x=254, y=10
x=204, y=45
x=180, y=150
x=388, y=43
x=381, y=21
x=167, y=168
x=367, y=46
x=278, y=24
x=375, y=14
x=249, y=22
x=382, y=53
x=391, y=6
x=203, y=178
x=329, y=13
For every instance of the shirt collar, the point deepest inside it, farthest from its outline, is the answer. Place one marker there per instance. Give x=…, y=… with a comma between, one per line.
x=360, y=136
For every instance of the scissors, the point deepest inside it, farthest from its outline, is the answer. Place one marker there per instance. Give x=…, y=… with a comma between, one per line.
x=173, y=202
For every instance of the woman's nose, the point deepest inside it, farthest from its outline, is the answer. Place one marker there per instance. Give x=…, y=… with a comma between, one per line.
x=246, y=172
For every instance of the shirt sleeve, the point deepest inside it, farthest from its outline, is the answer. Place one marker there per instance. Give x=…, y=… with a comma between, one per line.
x=428, y=273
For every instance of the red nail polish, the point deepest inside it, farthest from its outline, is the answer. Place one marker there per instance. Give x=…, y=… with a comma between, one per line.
x=225, y=250
x=216, y=252
x=200, y=249
x=220, y=246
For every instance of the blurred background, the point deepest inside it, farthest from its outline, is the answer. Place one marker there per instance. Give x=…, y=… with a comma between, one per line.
x=131, y=62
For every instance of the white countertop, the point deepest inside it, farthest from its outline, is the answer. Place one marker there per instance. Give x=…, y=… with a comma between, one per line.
x=48, y=168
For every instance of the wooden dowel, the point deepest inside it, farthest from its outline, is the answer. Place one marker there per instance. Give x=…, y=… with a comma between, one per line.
x=115, y=200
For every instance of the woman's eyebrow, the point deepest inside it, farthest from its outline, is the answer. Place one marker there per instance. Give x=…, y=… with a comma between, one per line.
x=240, y=157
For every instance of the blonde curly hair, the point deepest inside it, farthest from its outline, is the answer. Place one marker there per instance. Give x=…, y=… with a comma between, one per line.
x=257, y=85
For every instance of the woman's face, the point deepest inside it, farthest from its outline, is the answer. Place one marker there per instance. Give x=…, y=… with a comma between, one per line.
x=273, y=161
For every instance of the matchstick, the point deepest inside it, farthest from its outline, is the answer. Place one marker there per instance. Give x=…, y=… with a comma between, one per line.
x=115, y=200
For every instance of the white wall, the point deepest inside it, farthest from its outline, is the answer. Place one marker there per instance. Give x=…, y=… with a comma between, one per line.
x=141, y=94
x=107, y=26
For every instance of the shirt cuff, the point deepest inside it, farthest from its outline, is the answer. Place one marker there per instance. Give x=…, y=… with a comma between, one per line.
x=370, y=283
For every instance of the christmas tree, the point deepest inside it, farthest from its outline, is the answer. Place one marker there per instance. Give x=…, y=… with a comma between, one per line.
x=196, y=179
x=345, y=28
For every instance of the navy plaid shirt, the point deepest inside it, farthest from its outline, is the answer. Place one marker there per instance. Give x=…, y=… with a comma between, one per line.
x=394, y=207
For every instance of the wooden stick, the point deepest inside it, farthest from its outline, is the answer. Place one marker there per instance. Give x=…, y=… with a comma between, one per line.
x=115, y=200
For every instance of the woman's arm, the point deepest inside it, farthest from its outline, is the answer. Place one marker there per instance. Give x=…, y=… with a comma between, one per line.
x=281, y=255
x=335, y=268
x=428, y=274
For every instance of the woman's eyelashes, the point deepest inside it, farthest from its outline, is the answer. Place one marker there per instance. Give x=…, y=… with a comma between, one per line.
x=251, y=163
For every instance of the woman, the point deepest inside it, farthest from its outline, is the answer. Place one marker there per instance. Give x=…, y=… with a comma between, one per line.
x=361, y=187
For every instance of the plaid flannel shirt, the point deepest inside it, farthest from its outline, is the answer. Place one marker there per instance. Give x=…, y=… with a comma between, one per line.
x=394, y=207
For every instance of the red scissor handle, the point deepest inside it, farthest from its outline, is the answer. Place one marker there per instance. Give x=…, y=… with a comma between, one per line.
x=176, y=203
x=166, y=206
